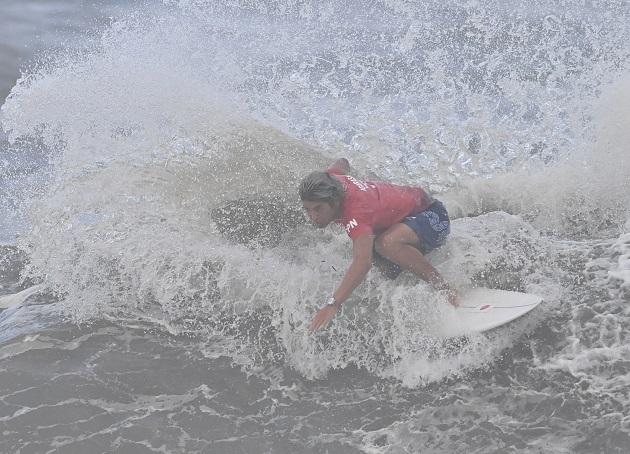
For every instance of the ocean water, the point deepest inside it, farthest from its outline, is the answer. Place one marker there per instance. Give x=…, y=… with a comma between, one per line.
x=157, y=275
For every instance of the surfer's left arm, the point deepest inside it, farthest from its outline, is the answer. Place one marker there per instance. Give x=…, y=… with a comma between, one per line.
x=362, y=248
x=341, y=166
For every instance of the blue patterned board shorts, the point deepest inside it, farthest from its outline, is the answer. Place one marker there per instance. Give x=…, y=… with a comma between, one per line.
x=432, y=226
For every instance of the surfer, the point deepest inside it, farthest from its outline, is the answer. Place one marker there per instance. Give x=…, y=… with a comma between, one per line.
x=393, y=225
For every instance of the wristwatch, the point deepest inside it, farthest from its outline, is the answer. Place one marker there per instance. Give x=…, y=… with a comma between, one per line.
x=331, y=302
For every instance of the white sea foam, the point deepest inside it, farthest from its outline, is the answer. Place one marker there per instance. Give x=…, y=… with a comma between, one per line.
x=622, y=270
x=587, y=192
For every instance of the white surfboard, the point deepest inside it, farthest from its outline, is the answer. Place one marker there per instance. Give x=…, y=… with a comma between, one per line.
x=483, y=309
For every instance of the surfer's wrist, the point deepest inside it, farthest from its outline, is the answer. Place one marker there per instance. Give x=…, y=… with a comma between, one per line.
x=440, y=284
x=333, y=302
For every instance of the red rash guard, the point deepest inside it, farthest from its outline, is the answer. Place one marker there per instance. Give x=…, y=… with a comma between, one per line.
x=369, y=208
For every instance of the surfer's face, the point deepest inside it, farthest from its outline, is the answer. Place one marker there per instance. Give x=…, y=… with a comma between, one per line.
x=321, y=213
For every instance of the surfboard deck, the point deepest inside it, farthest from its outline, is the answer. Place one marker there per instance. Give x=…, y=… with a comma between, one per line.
x=483, y=309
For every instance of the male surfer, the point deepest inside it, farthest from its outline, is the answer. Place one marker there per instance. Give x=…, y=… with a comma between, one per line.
x=400, y=223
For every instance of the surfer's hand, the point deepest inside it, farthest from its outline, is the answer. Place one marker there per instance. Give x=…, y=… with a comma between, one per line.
x=323, y=317
x=453, y=297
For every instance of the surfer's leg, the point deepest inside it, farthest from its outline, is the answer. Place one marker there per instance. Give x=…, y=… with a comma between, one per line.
x=401, y=245
x=407, y=243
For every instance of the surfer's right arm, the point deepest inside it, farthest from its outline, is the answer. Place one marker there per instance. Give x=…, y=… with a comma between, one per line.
x=362, y=251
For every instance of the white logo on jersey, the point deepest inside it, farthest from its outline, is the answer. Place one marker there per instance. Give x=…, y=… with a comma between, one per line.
x=359, y=184
x=352, y=224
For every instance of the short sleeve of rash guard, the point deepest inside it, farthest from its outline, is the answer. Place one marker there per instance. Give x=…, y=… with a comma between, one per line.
x=359, y=222
x=358, y=218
